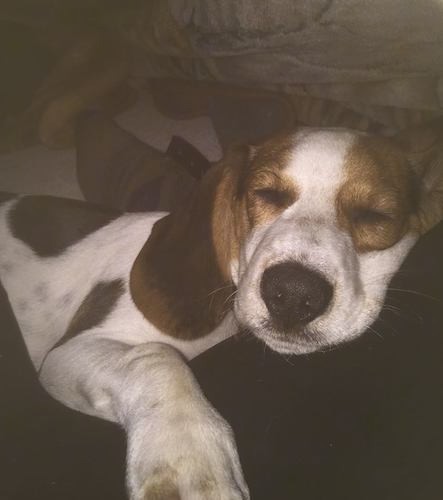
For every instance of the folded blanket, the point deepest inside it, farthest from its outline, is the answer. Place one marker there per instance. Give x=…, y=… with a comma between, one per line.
x=373, y=57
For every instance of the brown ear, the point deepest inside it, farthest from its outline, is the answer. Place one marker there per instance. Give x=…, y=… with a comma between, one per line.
x=181, y=279
x=230, y=220
x=424, y=149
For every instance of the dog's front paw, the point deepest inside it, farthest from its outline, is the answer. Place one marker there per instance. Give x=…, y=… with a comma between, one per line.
x=185, y=457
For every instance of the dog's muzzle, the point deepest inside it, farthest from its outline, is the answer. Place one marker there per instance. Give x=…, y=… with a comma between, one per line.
x=294, y=295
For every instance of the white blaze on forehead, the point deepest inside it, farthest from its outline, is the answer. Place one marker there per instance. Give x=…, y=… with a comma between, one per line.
x=317, y=166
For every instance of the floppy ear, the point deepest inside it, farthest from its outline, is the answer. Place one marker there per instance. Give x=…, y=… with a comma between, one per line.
x=181, y=280
x=424, y=150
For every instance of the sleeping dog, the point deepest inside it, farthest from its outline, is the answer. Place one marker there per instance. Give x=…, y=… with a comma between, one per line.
x=294, y=239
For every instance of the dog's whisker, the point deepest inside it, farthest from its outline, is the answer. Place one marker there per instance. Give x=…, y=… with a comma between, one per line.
x=415, y=292
x=401, y=312
x=229, y=303
x=230, y=298
x=389, y=325
x=373, y=330
x=225, y=311
x=378, y=277
x=217, y=290
x=288, y=359
x=395, y=310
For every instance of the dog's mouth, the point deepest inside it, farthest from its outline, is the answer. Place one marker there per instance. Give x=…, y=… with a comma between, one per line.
x=298, y=340
x=323, y=334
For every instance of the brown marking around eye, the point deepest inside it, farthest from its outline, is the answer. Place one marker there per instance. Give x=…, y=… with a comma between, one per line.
x=377, y=196
x=269, y=194
x=268, y=190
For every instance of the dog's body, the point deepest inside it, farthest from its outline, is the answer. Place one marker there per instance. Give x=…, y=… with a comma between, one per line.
x=58, y=300
x=308, y=228
x=46, y=310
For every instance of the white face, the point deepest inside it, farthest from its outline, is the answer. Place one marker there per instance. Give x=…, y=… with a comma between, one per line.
x=325, y=288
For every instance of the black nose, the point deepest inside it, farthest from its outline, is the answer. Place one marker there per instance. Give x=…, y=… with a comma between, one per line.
x=294, y=294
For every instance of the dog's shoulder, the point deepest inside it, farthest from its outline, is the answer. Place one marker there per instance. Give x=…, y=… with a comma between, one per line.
x=57, y=233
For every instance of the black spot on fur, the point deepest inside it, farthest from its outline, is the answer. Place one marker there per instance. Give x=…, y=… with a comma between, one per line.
x=94, y=309
x=49, y=225
x=4, y=197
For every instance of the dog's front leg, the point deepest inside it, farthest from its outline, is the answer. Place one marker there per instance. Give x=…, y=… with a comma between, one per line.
x=178, y=445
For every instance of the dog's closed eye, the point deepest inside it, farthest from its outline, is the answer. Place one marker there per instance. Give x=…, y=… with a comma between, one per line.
x=273, y=196
x=368, y=216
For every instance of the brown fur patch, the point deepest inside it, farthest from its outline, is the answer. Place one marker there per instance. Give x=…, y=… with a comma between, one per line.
x=94, y=309
x=48, y=225
x=377, y=198
x=177, y=280
x=230, y=224
x=269, y=190
x=162, y=485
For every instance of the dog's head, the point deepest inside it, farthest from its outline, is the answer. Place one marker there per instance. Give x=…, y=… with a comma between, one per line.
x=309, y=227
x=313, y=224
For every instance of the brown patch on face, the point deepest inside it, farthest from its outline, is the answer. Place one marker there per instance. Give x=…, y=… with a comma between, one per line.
x=378, y=196
x=268, y=190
